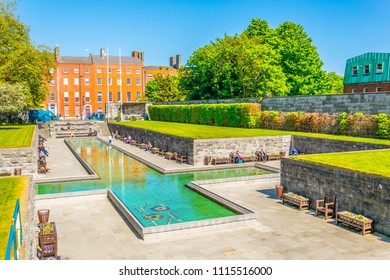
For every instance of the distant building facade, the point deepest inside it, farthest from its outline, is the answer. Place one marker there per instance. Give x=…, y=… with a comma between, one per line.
x=83, y=85
x=369, y=72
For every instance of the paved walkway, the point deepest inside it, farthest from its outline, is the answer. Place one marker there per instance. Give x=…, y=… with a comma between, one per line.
x=90, y=228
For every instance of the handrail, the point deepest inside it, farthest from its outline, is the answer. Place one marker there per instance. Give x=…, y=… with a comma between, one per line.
x=15, y=235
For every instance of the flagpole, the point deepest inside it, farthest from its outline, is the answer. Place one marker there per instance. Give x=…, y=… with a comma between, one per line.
x=120, y=86
x=108, y=89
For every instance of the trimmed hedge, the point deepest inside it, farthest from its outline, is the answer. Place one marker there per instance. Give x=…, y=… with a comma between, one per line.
x=232, y=115
x=249, y=115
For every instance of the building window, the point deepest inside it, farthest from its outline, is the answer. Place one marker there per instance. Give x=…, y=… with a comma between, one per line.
x=100, y=110
x=76, y=97
x=77, y=110
x=365, y=90
x=354, y=70
x=87, y=99
x=118, y=82
x=138, y=82
x=52, y=96
x=51, y=71
x=128, y=94
x=65, y=70
x=66, y=81
x=52, y=82
x=118, y=71
x=366, y=69
x=138, y=94
x=76, y=81
x=119, y=96
x=76, y=70
x=128, y=82
x=354, y=90
x=109, y=70
x=150, y=76
x=99, y=81
x=99, y=96
x=86, y=70
x=66, y=96
x=99, y=70
x=138, y=71
x=378, y=89
x=128, y=71
x=86, y=81
x=110, y=96
x=110, y=81
x=66, y=111
x=379, y=68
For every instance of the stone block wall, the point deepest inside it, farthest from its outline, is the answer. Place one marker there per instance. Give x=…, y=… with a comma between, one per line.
x=367, y=103
x=173, y=143
x=246, y=146
x=357, y=192
x=25, y=158
x=320, y=146
x=197, y=149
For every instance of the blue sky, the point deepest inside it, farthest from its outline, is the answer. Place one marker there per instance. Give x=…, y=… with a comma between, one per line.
x=340, y=29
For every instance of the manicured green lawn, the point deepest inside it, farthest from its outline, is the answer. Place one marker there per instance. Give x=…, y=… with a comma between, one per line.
x=371, y=162
x=11, y=188
x=195, y=131
x=16, y=136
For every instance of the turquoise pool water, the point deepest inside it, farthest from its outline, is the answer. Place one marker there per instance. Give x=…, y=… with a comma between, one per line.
x=154, y=198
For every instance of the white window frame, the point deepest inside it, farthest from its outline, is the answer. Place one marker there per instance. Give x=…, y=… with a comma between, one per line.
x=65, y=70
x=66, y=97
x=75, y=70
x=128, y=96
x=99, y=81
x=86, y=81
x=99, y=70
x=379, y=70
x=354, y=71
x=76, y=81
x=365, y=67
x=66, y=81
x=99, y=97
x=378, y=89
x=77, y=97
x=87, y=97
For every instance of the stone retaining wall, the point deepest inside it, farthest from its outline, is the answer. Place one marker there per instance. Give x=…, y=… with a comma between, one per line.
x=356, y=192
x=246, y=146
x=367, y=103
x=197, y=149
x=320, y=146
x=25, y=158
x=173, y=143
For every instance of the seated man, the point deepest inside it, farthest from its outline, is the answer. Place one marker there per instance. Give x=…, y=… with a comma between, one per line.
x=237, y=157
x=263, y=155
x=148, y=146
x=128, y=139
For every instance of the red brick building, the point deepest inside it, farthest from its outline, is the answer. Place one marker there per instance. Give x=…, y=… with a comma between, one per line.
x=82, y=85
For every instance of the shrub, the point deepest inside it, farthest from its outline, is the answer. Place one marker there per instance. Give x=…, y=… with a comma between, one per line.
x=343, y=123
x=382, y=125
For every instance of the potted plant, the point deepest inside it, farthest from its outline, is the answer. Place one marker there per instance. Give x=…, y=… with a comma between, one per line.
x=279, y=190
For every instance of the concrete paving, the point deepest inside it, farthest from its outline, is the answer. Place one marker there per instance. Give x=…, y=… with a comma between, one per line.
x=90, y=228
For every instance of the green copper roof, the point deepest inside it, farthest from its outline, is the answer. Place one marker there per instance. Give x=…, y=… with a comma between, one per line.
x=368, y=68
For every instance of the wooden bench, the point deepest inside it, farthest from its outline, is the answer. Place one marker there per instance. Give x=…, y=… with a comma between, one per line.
x=249, y=158
x=224, y=160
x=356, y=221
x=274, y=157
x=295, y=199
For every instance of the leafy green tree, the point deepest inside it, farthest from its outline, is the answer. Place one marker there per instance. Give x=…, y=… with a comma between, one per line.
x=233, y=67
x=12, y=98
x=336, y=82
x=164, y=88
x=300, y=61
x=20, y=61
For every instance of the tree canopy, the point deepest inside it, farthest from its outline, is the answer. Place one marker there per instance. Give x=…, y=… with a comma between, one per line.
x=259, y=62
x=163, y=88
x=21, y=62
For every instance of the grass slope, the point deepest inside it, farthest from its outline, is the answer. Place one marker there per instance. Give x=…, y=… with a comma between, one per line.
x=11, y=188
x=196, y=131
x=16, y=136
x=371, y=162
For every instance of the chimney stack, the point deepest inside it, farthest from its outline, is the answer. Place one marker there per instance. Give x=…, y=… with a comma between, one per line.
x=172, y=61
x=141, y=56
x=178, y=61
x=102, y=54
x=57, y=52
x=135, y=54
